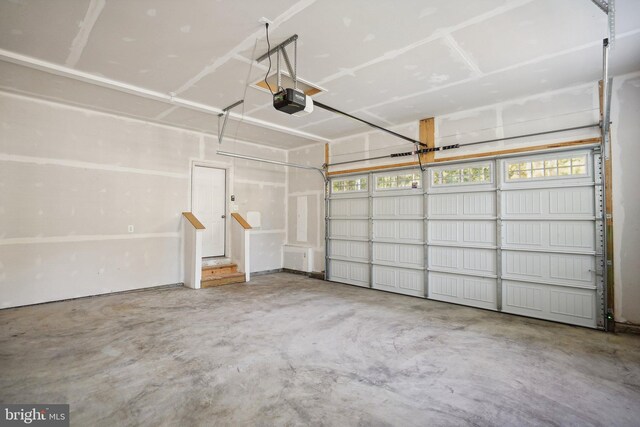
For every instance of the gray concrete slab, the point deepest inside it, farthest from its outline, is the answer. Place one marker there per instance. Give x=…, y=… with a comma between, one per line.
x=291, y=350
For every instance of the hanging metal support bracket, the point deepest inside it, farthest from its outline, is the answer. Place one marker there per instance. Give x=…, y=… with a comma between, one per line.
x=281, y=50
x=608, y=7
x=225, y=113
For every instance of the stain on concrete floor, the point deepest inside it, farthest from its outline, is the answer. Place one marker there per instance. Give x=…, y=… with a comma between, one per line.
x=289, y=350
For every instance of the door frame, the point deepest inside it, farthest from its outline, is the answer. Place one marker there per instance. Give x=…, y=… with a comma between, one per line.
x=228, y=174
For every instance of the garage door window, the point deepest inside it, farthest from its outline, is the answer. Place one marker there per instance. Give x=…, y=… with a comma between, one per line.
x=349, y=185
x=548, y=168
x=399, y=181
x=479, y=174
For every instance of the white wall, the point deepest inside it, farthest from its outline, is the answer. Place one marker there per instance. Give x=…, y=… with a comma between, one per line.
x=625, y=134
x=72, y=180
x=307, y=185
x=570, y=107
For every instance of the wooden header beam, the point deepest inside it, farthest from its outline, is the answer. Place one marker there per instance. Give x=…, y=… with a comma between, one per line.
x=472, y=156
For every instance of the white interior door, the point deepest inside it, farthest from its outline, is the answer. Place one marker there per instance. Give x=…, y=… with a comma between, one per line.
x=208, y=205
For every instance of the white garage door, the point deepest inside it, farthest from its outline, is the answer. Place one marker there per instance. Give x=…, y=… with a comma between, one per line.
x=548, y=214
x=349, y=231
x=398, y=232
x=521, y=235
x=461, y=206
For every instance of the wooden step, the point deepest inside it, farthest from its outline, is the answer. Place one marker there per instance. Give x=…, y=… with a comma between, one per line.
x=222, y=279
x=218, y=270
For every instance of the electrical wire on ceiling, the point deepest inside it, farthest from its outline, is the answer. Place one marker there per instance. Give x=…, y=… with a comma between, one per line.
x=266, y=29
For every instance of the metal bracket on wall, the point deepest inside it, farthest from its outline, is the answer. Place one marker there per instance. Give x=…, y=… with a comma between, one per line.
x=225, y=113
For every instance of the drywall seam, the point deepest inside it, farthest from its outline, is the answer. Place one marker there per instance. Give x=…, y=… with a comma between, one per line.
x=499, y=121
x=247, y=61
x=501, y=70
x=305, y=193
x=278, y=231
x=260, y=183
x=286, y=207
x=245, y=44
x=470, y=79
x=81, y=39
x=63, y=71
x=86, y=165
x=126, y=118
x=201, y=151
x=366, y=133
x=166, y=112
x=435, y=36
x=466, y=58
x=302, y=147
x=84, y=238
x=377, y=117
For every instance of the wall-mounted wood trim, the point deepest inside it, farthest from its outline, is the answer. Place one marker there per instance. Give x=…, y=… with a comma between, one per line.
x=326, y=154
x=473, y=156
x=427, y=131
x=241, y=221
x=608, y=210
x=373, y=168
x=193, y=220
x=520, y=150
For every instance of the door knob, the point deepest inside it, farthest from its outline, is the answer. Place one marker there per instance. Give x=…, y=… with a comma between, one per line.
x=223, y=216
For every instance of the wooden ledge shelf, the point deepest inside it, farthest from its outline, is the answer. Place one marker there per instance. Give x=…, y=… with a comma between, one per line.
x=193, y=220
x=241, y=221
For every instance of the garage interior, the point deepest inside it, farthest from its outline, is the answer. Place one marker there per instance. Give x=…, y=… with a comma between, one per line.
x=439, y=226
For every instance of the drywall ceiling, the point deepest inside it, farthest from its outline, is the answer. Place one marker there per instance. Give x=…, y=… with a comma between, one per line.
x=390, y=62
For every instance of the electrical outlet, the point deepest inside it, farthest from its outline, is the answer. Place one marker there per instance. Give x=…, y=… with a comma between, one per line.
x=130, y=229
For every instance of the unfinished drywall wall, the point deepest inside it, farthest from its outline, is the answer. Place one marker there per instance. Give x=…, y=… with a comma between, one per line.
x=72, y=181
x=308, y=186
x=569, y=107
x=625, y=152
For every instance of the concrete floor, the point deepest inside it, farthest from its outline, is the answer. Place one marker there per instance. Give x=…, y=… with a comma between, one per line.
x=289, y=350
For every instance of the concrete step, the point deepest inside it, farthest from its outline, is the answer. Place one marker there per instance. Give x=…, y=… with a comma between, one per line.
x=223, y=279
x=218, y=270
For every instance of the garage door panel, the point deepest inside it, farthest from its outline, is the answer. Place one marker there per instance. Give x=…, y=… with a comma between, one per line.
x=462, y=260
x=350, y=250
x=349, y=229
x=411, y=256
x=568, y=305
x=406, y=230
x=573, y=202
x=561, y=269
x=577, y=236
x=467, y=290
x=408, y=206
x=349, y=272
x=358, y=207
x=466, y=233
x=398, y=280
x=462, y=205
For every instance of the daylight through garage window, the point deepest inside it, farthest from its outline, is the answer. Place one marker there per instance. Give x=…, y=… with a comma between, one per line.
x=547, y=168
x=349, y=185
x=399, y=181
x=462, y=175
